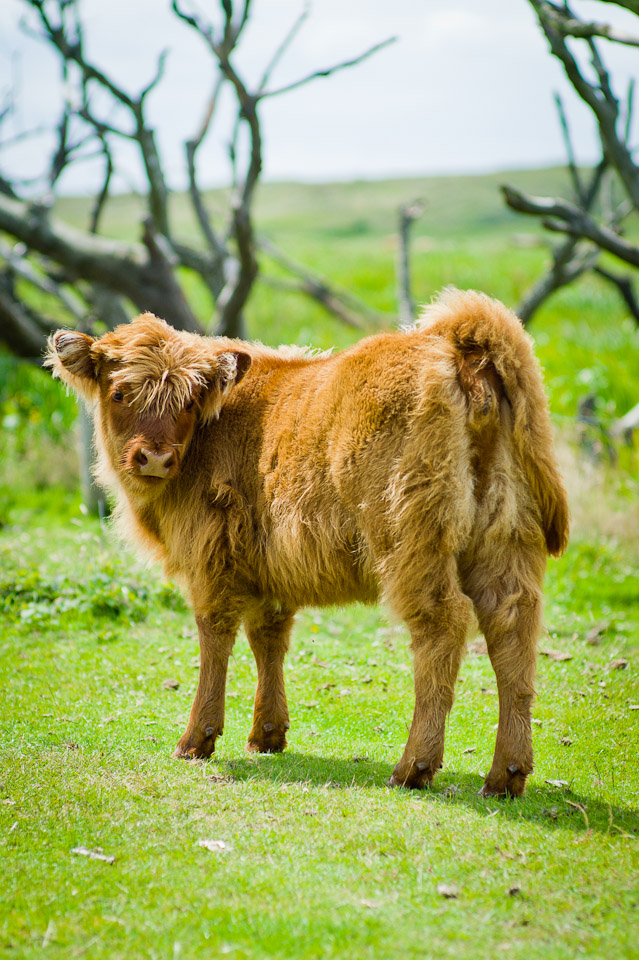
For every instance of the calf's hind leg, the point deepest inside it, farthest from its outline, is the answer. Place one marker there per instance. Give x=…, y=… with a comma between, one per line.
x=268, y=633
x=438, y=621
x=508, y=605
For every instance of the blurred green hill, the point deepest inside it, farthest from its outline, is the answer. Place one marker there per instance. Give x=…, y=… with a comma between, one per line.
x=457, y=207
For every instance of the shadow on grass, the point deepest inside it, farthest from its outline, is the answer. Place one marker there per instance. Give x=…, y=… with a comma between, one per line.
x=550, y=806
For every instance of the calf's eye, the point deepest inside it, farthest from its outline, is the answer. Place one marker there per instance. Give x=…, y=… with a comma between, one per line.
x=118, y=396
x=189, y=404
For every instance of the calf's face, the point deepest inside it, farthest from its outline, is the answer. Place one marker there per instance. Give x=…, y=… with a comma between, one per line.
x=150, y=386
x=145, y=446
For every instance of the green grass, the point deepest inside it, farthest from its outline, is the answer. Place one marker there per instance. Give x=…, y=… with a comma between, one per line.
x=321, y=858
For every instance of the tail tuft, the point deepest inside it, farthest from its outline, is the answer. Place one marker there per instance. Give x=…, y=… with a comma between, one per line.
x=496, y=361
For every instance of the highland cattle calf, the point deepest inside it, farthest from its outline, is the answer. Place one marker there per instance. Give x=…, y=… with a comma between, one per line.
x=415, y=467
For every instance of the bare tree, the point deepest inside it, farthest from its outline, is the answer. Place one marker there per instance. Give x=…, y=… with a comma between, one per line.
x=90, y=276
x=592, y=220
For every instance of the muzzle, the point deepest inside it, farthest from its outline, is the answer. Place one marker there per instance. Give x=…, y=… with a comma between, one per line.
x=162, y=463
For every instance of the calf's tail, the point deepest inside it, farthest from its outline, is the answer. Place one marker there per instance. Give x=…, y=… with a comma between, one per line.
x=496, y=364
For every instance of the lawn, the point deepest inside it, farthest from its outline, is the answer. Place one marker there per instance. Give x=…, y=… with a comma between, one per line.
x=309, y=854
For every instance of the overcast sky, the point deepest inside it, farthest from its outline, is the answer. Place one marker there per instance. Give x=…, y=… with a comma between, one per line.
x=466, y=88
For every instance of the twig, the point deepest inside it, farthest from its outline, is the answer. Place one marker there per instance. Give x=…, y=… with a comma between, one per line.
x=24, y=268
x=19, y=330
x=329, y=70
x=191, y=147
x=283, y=47
x=343, y=304
x=159, y=73
x=568, y=264
x=572, y=166
x=102, y=195
x=571, y=27
x=625, y=288
x=630, y=101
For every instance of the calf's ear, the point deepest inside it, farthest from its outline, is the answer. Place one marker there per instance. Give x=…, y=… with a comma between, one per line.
x=227, y=370
x=69, y=357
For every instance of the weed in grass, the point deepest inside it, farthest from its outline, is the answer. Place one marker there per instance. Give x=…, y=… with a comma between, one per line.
x=106, y=590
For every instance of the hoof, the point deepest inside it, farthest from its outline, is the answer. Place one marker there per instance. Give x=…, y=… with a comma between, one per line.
x=199, y=745
x=508, y=783
x=268, y=739
x=417, y=776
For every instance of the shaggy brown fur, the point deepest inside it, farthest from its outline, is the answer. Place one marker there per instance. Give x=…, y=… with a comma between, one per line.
x=416, y=467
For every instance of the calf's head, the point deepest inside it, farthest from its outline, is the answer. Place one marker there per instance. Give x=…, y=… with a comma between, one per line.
x=150, y=386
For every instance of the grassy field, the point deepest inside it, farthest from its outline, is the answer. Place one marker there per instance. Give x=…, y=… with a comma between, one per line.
x=310, y=854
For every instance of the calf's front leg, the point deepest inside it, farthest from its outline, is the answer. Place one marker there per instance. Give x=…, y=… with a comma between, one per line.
x=206, y=721
x=268, y=633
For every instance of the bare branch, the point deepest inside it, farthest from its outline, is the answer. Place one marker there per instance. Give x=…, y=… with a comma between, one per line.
x=209, y=113
x=128, y=269
x=625, y=287
x=191, y=148
x=159, y=73
x=329, y=70
x=69, y=42
x=232, y=150
x=103, y=127
x=71, y=49
x=66, y=152
x=563, y=217
x=147, y=273
x=569, y=263
x=342, y=303
x=572, y=166
x=25, y=269
x=600, y=98
x=320, y=294
x=241, y=275
x=18, y=329
x=101, y=198
x=105, y=305
x=283, y=47
x=232, y=299
x=603, y=76
x=630, y=102
x=23, y=135
x=199, y=25
x=571, y=27
x=7, y=107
